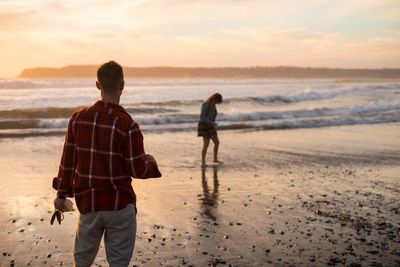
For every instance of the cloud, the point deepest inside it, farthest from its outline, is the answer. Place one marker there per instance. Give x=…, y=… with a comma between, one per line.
x=17, y=21
x=375, y=9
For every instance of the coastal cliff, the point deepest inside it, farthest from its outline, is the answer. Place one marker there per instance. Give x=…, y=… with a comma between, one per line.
x=222, y=72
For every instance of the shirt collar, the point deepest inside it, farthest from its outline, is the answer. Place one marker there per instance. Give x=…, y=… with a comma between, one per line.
x=107, y=105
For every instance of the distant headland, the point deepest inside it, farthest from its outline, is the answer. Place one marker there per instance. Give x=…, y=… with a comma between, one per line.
x=80, y=71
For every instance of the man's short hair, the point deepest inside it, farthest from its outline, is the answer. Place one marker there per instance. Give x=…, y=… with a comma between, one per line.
x=110, y=75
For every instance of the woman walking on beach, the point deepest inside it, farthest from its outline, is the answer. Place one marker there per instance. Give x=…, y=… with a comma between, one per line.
x=207, y=126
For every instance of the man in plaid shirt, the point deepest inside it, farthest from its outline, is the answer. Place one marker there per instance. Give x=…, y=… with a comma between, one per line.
x=103, y=150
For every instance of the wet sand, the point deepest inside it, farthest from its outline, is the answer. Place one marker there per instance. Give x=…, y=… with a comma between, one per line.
x=306, y=197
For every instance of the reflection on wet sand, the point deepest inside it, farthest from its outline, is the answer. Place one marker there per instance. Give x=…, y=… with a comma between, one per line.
x=209, y=200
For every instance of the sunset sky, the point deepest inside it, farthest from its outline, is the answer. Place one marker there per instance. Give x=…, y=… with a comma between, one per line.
x=330, y=33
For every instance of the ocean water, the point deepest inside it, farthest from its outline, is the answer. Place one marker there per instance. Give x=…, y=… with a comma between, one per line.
x=42, y=107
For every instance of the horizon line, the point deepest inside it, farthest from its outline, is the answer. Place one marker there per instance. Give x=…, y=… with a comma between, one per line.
x=217, y=67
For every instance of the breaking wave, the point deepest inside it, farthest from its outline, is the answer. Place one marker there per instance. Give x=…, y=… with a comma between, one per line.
x=302, y=118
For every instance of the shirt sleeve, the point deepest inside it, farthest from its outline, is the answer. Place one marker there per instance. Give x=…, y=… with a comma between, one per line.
x=64, y=181
x=137, y=162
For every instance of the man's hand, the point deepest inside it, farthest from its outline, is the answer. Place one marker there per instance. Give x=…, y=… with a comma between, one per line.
x=63, y=204
x=59, y=204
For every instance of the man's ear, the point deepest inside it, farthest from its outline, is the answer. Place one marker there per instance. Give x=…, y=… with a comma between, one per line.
x=98, y=85
x=122, y=85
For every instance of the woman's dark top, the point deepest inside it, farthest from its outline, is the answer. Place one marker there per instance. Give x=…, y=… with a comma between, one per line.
x=208, y=114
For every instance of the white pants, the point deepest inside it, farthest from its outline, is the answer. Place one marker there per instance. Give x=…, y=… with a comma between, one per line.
x=119, y=228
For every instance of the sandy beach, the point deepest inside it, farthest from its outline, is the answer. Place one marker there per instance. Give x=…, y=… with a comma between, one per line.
x=304, y=197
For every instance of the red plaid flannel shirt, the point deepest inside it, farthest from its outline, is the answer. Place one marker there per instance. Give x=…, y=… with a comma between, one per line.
x=103, y=149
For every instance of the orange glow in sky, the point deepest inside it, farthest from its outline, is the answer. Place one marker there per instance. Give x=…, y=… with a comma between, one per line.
x=329, y=33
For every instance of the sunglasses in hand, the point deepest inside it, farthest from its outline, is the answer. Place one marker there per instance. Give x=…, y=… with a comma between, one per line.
x=57, y=214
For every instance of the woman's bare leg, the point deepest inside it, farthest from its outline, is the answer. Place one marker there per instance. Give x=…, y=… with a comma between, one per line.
x=206, y=142
x=216, y=147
